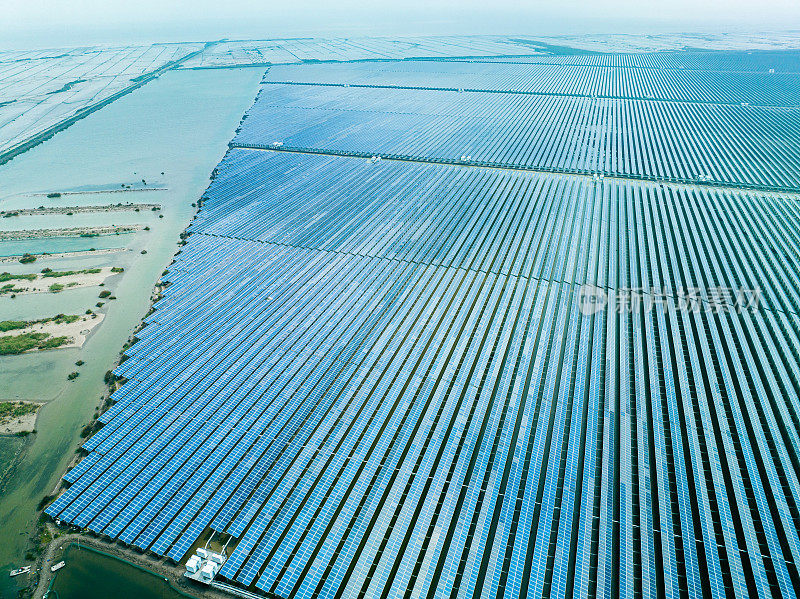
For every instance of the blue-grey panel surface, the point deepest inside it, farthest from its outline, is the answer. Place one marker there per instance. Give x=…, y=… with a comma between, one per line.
x=386, y=378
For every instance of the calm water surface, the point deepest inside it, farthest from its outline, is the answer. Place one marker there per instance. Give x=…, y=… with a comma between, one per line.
x=90, y=575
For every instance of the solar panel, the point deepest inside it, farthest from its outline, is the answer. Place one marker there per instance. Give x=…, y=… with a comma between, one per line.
x=377, y=375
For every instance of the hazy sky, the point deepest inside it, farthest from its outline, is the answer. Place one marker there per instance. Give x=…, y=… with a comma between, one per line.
x=37, y=23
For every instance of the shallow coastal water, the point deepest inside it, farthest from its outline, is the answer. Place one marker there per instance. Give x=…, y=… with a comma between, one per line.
x=53, y=245
x=179, y=124
x=90, y=574
x=63, y=221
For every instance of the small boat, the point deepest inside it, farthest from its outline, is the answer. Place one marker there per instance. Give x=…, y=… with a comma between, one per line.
x=22, y=570
x=58, y=566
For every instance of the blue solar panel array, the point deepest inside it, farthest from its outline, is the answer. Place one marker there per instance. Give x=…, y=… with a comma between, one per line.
x=375, y=376
x=755, y=87
x=581, y=122
x=763, y=61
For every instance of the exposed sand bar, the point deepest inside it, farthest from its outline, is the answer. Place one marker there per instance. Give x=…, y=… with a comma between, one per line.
x=15, y=421
x=77, y=331
x=7, y=259
x=80, y=209
x=43, y=284
x=69, y=232
x=96, y=191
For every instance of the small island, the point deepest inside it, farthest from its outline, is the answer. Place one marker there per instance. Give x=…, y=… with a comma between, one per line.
x=18, y=417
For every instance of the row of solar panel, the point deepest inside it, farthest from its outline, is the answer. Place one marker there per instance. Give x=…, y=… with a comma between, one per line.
x=368, y=422
x=661, y=140
x=781, y=61
x=443, y=215
x=755, y=88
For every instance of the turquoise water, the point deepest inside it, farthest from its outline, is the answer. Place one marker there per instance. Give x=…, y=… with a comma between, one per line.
x=80, y=219
x=179, y=124
x=69, y=301
x=53, y=245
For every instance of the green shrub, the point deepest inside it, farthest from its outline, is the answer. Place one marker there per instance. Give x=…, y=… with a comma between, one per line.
x=7, y=276
x=53, y=342
x=17, y=344
x=16, y=409
x=67, y=273
x=10, y=325
x=63, y=318
x=45, y=501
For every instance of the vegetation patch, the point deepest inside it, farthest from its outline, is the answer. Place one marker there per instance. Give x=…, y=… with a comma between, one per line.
x=17, y=344
x=62, y=318
x=7, y=276
x=43, y=503
x=67, y=273
x=11, y=325
x=9, y=288
x=10, y=410
x=54, y=342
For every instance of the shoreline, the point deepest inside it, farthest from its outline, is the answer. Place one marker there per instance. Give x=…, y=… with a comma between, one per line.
x=60, y=546
x=41, y=578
